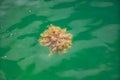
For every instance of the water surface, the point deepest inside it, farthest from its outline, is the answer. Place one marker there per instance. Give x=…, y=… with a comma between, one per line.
x=94, y=55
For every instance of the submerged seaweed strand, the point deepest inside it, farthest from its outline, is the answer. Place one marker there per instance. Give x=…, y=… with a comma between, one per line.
x=56, y=38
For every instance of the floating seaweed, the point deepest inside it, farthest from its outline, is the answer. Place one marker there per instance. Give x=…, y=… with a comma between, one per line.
x=56, y=38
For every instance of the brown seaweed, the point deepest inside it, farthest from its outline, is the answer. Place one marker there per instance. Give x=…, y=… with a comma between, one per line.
x=56, y=38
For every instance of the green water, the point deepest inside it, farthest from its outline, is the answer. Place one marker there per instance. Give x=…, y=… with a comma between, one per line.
x=94, y=55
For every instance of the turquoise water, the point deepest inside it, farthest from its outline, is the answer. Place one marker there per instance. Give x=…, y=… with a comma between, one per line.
x=94, y=54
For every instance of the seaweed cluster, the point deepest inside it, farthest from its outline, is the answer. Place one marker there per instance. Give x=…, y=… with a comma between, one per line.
x=56, y=38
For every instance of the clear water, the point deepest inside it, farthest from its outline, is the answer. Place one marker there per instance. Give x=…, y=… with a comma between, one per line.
x=94, y=55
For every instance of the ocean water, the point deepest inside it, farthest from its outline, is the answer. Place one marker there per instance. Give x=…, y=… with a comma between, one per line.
x=94, y=55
